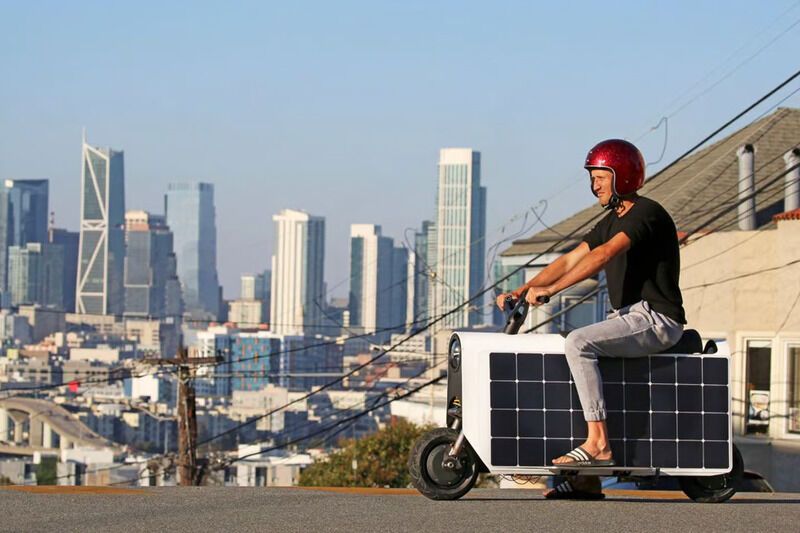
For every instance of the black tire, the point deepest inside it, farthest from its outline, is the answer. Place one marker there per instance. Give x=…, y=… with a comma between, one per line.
x=715, y=489
x=427, y=473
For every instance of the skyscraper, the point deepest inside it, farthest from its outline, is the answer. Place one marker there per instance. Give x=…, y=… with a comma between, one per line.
x=35, y=274
x=23, y=217
x=149, y=265
x=460, y=236
x=418, y=271
x=70, y=243
x=191, y=217
x=298, y=267
x=371, y=271
x=99, y=288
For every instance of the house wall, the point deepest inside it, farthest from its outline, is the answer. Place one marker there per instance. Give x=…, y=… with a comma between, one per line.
x=744, y=286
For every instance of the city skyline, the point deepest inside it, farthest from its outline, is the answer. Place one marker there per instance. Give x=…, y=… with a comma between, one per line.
x=337, y=119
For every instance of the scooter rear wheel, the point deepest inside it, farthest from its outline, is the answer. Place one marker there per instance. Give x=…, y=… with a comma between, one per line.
x=429, y=476
x=715, y=489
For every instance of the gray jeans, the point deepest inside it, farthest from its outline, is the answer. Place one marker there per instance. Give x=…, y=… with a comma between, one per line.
x=633, y=331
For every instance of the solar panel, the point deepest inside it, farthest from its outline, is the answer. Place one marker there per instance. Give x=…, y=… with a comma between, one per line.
x=667, y=411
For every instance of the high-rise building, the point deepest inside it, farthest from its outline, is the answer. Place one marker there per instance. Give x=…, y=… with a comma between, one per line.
x=460, y=235
x=191, y=218
x=298, y=266
x=398, y=293
x=378, y=273
x=150, y=266
x=371, y=270
x=257, y=287
x=418, y=271
x=23, y=217
x=35, y=274
x=69, y=242
x=99, y=286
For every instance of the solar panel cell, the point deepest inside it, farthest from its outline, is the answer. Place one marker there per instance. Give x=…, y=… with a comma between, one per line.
x=529, y=367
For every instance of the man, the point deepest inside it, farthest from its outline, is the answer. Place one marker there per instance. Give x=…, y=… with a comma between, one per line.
x=636, y=244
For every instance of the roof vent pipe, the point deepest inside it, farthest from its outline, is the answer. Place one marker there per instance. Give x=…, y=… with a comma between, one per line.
x=747, y=188
x=792, y=185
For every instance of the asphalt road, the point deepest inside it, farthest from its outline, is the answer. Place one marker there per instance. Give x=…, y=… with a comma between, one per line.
x=292, y=509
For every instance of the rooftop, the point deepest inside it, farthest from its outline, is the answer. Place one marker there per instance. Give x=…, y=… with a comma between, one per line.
x=701, y=191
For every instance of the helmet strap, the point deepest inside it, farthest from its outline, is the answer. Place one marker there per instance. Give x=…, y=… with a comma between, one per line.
x=613, y=203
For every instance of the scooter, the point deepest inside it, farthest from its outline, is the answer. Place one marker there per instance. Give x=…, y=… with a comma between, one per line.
x=512, y=407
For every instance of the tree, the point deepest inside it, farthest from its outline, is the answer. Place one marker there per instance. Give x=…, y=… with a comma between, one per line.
x=377, y=460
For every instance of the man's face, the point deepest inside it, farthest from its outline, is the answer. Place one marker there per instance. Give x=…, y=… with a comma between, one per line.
x=602, y=185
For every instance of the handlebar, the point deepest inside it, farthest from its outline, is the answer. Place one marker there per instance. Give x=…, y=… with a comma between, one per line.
x=517, y=311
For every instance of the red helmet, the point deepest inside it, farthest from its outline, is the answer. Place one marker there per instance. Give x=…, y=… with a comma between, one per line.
x=625, y=162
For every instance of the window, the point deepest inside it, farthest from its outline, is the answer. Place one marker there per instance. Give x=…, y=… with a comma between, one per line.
x=759, y=359
x=582, y=314
x=794, y=389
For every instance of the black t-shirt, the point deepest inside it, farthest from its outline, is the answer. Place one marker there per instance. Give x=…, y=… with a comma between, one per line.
x=650, y=268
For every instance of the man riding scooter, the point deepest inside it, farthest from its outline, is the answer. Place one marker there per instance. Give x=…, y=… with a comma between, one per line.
x=636, y=244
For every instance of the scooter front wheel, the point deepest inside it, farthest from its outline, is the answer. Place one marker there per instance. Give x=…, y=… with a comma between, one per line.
x=431, y=477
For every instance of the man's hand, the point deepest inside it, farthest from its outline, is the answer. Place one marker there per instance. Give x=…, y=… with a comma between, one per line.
x=501, y=299
x=535, y=293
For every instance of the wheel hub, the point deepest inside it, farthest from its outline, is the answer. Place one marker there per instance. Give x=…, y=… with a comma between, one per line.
x=445, y=477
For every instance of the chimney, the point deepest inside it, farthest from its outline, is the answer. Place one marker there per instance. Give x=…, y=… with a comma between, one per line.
x=747, y=188
x=792, y=184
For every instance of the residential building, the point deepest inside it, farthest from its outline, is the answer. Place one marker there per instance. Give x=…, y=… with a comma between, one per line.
x=735, y=205
x=99, y=285
x=298, y=267
x=191, y=217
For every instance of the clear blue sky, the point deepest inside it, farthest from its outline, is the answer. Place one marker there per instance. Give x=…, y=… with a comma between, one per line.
x=340, y=108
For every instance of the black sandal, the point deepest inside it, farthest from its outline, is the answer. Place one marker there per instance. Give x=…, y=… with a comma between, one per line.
x=582, y=458
x=566, y=491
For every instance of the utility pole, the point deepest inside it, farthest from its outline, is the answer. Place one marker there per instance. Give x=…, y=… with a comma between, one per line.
x=187, y=421
x=189, y=472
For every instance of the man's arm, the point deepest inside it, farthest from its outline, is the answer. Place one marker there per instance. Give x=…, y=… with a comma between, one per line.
x=555, y=270
x=589, y=265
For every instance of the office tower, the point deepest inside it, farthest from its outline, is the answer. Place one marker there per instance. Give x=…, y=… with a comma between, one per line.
x=418, y=271
x=149, y=265
x=191, y=218
x=460, y=236
x=35, y=274
x=298, y=266
x=69, y=242
x=99, y=288
x=23, y=218
x=398, y=293
x=371, y=270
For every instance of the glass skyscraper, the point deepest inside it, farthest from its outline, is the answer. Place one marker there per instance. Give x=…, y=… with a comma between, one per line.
x=23, y=218
x=460, y=238
x=191, y=217
x=150, y=266
x=99, y=286
x=70, y=243
x=35, y=274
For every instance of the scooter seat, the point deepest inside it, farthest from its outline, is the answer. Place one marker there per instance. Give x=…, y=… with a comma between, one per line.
x=690, y=342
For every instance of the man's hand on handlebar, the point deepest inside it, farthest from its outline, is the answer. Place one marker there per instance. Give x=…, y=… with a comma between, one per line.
x=501, y=299
x=538, y=295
